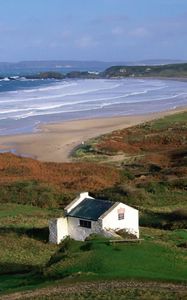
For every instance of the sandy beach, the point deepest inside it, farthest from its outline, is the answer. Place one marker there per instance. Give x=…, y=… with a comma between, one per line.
x=55, y=142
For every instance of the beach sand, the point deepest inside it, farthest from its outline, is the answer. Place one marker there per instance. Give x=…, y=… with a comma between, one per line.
x=55, y=142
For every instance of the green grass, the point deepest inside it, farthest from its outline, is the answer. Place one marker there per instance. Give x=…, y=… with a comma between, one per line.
x=85, y=152
x=28, y=261
x=29, y=192
x=24, y=246
x=152, y=196
x=148, y=260
x=24, y=235
x=161, y=198
x=163, y=220
x=25, y=215
x=18, y=282
x=12, y=210
x=163, y=123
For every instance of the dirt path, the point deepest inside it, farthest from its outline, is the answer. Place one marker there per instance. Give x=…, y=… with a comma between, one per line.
x=68, y=289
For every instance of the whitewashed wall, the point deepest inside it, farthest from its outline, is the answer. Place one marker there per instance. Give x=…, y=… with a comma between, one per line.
x=70, y=226
x=80, y=233
x=58, y=230
x=129, y=223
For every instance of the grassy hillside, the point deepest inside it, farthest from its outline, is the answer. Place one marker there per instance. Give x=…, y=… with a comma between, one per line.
x=97, y=259
x=144, y=166
x=166, y=70
x=152, y=158
x=170, y=70
x=30, y=262
x=27, y=181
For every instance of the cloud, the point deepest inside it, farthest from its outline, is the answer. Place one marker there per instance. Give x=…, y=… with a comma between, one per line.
x=139, y=32
x=157, y=30
x=53, y=45
x=173, y=26
x=6, y=29
x=86, y=41
x=117, y=31
x=109, y=20
x=66, y=34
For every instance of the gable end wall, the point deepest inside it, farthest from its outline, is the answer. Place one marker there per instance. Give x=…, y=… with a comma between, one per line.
x=130, y=222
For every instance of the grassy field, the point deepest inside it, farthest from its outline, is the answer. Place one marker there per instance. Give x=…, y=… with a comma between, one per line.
x=23, y=239
x=35, y=264
x=149, y=172
x=27, y=260
x=98, y=259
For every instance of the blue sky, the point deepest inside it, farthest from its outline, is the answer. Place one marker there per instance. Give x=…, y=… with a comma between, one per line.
x=108, y=30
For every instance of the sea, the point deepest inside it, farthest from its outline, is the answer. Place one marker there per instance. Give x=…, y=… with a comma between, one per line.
x=26, y=104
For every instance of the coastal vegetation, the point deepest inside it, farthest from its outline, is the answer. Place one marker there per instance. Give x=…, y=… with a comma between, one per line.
x=58, y=75
x=144, y=166
x=176, y=70
x=21, y=178
x=169, y=70
x=46, y=75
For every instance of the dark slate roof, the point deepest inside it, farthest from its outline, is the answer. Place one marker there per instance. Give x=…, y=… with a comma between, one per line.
x=90, y=209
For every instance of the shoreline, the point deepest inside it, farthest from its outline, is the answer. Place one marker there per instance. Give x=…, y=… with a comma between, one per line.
x=21, y=127
x=55, y=142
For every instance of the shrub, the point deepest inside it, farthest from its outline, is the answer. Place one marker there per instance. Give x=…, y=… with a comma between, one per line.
x=127, y=174
x=153, y=168
x=179, y=214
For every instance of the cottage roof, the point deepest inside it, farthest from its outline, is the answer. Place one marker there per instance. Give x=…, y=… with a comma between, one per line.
x=90, y=209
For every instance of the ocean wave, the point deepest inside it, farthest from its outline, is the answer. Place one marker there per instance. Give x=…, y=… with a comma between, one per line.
x=89, y=102
x=9, y=111
x=50, y=110
x=12, y=92
x=77, y=93
x=76, y=102
x=50, y=88
x=81, y=109
x=53, y=113
x=34, y=101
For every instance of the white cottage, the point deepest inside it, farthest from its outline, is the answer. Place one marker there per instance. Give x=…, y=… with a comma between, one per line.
x=86, y=215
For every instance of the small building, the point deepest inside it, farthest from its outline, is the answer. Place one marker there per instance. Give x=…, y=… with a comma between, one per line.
x=86, y=215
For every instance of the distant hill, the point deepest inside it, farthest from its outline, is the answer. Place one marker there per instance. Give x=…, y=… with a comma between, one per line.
x=170, y=70
x=65, y=66
x=158, y=62
x=61, y=66
x=120, y=71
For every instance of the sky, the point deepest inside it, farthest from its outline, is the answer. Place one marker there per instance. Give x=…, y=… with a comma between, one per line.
x=105, y=30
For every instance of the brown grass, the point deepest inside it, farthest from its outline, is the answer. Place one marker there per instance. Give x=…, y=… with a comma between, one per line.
x=64, y=176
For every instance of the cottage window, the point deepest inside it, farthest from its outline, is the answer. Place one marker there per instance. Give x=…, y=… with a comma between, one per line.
x=121, y=216
x=86, y=224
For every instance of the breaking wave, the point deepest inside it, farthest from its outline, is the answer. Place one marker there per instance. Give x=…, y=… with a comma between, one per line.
x=37, y=102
